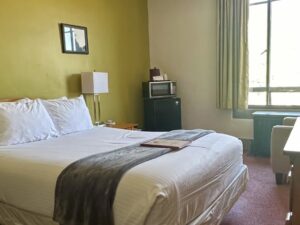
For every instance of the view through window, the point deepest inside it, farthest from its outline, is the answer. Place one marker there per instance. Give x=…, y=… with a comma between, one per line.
x=274, y=53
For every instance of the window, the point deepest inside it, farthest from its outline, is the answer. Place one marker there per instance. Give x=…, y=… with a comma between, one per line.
x=274, y=54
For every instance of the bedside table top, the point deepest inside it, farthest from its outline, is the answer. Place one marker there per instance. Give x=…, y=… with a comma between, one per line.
x=127, y=126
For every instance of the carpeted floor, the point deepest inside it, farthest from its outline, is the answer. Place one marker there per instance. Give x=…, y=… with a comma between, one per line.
x=263, y=203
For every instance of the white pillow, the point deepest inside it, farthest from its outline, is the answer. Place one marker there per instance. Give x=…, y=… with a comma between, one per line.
x=24, y=121
x=24, y=100
x=69, y=115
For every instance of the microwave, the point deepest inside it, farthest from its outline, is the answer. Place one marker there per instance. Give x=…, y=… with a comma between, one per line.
x=159, y=89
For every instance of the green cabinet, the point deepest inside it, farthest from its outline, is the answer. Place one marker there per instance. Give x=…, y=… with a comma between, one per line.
x=263, y=123
x=162, y=114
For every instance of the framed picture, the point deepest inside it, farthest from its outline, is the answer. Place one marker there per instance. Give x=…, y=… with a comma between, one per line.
x=74, y=39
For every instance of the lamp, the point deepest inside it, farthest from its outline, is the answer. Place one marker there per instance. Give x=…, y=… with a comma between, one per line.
x=94, y=83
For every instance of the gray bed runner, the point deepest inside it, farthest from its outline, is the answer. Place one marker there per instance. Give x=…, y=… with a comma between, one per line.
x=85, y=190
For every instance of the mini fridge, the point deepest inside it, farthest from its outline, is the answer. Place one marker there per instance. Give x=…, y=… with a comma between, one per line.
x=162, y=114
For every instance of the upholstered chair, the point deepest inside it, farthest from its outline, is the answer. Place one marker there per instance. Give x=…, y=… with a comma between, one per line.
x=280, y=162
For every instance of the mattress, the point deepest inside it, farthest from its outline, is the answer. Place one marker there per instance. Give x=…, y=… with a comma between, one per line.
x=176, y=188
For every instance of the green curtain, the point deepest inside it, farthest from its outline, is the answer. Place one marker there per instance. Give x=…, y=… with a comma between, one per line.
x=232, y=77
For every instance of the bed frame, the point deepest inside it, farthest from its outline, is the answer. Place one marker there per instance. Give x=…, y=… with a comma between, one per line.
x=9, y=99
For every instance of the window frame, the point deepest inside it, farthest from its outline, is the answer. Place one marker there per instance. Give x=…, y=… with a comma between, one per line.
x=247, y=114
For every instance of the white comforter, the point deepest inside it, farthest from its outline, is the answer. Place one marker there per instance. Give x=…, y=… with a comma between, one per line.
x=172, y=189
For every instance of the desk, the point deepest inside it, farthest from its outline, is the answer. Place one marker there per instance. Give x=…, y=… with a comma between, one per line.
x=292, y=149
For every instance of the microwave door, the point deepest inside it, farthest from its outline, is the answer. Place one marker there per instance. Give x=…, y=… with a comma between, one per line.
x=160, y=89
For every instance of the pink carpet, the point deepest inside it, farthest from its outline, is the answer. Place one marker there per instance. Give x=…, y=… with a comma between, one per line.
x=263, y=203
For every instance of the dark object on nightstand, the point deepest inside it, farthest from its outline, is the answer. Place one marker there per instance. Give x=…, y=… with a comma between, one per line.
x=163, y=114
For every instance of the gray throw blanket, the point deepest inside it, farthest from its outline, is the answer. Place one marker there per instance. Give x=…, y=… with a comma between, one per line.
x=85, y=190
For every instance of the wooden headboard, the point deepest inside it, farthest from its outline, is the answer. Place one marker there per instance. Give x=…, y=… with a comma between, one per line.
x=9, y=99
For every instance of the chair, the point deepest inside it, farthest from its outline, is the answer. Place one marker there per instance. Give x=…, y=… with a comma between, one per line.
x=281, y=163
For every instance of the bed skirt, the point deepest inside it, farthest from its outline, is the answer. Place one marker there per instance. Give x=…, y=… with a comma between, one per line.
x=10, y=215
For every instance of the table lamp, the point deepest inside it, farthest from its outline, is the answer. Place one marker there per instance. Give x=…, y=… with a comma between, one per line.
x=95, y=83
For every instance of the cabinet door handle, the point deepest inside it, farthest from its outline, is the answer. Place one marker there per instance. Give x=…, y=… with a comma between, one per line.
x=177, y=102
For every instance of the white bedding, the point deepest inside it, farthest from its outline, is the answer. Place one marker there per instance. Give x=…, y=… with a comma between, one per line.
x=172, y=189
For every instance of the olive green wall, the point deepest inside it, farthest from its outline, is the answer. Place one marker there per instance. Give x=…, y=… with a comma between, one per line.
x=33, y=65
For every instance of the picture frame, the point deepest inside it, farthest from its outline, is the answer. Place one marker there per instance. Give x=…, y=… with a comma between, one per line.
x=74, y=39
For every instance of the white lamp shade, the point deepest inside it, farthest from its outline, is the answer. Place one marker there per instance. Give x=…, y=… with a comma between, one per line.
x=94, y=82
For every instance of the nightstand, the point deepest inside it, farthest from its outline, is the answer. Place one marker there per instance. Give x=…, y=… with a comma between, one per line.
x=126, y=126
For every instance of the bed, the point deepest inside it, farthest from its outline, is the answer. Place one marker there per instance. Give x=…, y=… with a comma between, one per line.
x=197, y=185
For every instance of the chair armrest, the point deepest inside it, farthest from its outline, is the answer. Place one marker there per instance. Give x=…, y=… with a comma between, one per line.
x=289, y=121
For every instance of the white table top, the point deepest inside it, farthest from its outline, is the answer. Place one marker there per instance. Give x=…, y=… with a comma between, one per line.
x=293, y=144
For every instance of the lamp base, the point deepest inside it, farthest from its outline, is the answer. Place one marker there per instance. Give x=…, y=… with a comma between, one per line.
x=96, y=109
